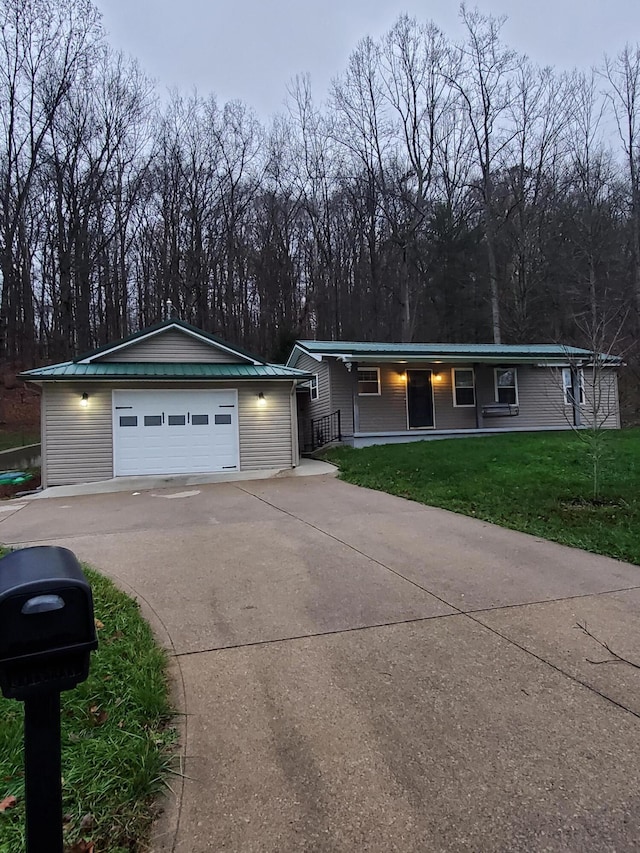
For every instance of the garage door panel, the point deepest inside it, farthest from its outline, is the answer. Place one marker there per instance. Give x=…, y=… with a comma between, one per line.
x=154, y=432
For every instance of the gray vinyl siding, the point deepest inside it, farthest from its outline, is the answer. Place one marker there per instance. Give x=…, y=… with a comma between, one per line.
x=601, y=405
x=540, y=397
x=173, y=346
x=335, y=385
x=448, y=416
x=77, y=443
x=342, y=382
x=321, y=406
x=387, y=412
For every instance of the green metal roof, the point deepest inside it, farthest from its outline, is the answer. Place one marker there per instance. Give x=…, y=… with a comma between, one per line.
x=69, y=370
x=352, y=350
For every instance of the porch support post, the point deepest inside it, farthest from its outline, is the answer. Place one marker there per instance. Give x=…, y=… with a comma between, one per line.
x=354, y=397
x=479, y=422
x=575, y=395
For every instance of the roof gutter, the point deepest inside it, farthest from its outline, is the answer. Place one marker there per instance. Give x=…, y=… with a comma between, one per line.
x=460, y=358
x=86, y=377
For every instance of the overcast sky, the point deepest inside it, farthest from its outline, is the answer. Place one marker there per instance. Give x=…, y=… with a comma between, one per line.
x=251, y=49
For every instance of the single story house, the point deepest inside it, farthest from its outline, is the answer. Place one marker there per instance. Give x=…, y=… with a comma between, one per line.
x=170, y=399
x=378, y=393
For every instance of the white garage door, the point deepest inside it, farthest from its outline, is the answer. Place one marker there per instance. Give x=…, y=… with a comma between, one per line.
x=175, y=432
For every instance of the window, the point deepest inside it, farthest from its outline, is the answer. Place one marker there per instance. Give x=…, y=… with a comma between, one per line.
x=200, y=420
x=314, y=387
x=568, y=382
x=506, y=385
x=177, y=420
x=153, y=420
x=369, y=381
x=464, y=392
x=223, y=419
x=128, y=420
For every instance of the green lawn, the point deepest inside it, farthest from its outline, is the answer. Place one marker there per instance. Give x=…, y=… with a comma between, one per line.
x=116, y=739
x=535, y=482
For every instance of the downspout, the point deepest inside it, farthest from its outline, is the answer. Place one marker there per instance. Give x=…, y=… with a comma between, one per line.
x=43, y=437
x=295, y=439
x=354, y=396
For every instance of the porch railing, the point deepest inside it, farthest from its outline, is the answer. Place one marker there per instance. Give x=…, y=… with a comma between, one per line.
x=323, y=431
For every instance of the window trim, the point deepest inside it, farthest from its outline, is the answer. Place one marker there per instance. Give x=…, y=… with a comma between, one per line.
x=314, y=387
x=515, y=384
x=566, y=387
x=457, y=405
x=369, y=393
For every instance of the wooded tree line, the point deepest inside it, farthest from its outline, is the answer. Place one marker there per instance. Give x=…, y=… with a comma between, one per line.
x=445, y=191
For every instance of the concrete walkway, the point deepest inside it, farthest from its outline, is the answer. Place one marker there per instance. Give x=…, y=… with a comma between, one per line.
x=362, y=673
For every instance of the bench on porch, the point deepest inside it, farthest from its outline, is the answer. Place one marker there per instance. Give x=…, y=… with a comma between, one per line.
x=500, y=410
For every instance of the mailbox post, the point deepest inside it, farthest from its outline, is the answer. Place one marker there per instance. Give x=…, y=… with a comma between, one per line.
x=47, y=632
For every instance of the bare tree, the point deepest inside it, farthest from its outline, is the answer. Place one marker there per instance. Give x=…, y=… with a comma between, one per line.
x=419, y=97
x=591, y=389
x=319, y=166
x=623, y=76
x=43, y=47
x=482, y=75
x=96, y=149
x=530, y=174
x=591, y=189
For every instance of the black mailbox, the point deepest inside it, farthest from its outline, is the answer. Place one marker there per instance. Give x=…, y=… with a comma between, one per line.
x=47, y=628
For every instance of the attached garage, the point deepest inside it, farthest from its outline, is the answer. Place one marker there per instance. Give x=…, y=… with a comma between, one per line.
x=170, y=399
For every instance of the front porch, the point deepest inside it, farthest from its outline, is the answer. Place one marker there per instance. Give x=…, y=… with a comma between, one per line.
x=400, y=402
x=367, y=439
x=363, y=394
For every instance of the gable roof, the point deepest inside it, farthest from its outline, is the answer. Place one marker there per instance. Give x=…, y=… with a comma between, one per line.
x=349, y=351
x=95, y=365
x=159, y=328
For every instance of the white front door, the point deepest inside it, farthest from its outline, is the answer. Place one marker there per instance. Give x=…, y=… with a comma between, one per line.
x=175, y=432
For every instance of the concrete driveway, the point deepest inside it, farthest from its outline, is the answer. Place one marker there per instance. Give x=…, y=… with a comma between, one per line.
x=359, y=672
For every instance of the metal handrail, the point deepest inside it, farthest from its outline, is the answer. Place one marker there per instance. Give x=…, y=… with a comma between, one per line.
x=324, y=430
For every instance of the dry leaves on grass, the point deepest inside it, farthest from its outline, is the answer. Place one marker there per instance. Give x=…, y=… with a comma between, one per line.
x=81, y=847
x=98, y=716
x=8, y=803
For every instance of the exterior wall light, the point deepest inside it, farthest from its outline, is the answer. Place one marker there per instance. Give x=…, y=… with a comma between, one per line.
x=261, y=399
x=84, y=400
x=438, y=377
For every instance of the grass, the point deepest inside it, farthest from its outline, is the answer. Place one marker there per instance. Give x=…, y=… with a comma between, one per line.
x=18, y=438
x=535, y=482
x=115, y=736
